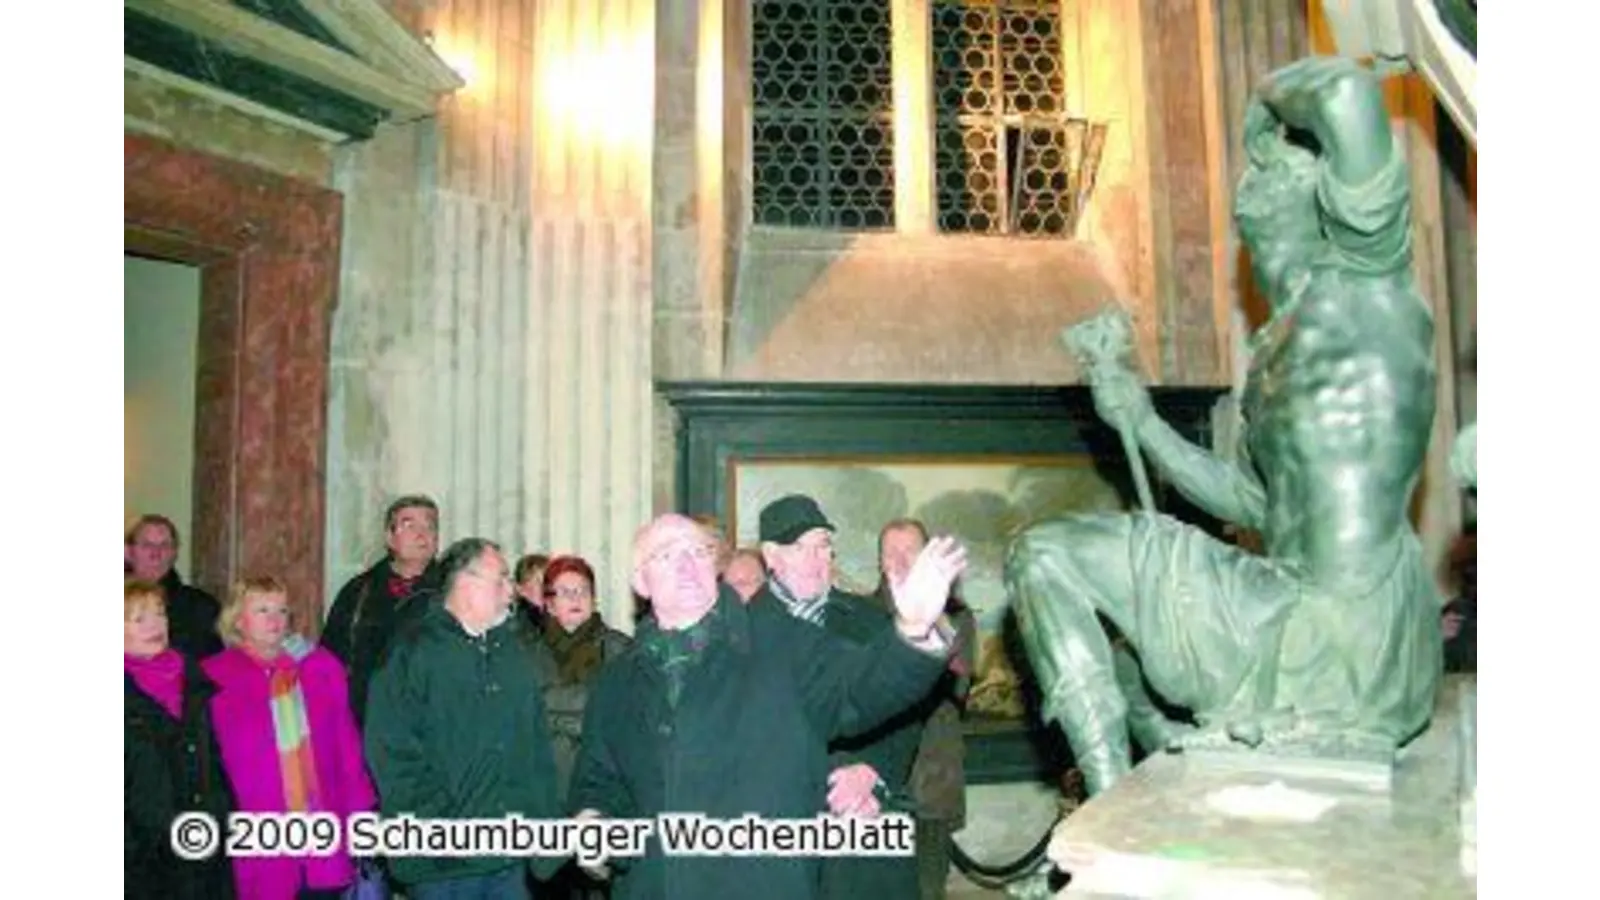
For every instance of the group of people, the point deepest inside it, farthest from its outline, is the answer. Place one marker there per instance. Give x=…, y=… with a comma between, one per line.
x=226, y=708
x=457, y=685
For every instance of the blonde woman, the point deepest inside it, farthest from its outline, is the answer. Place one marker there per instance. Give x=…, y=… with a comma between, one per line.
x=170, y=763
x=289, y=740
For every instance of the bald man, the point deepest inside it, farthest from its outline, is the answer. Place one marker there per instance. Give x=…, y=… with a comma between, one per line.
x=725, y=709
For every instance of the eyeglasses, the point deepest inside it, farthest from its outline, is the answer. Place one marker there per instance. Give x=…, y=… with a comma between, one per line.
x=670, y=554
x=577, y=593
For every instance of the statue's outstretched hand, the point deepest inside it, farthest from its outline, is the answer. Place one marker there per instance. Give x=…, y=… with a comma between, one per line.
x=1100, y=343
x=1120, y=397
x=920, y=597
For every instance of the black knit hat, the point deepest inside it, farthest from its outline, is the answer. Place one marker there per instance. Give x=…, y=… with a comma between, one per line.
x=784, y=520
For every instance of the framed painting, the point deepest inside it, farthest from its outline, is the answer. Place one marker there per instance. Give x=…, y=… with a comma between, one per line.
x=980, y=463
x=982, y=501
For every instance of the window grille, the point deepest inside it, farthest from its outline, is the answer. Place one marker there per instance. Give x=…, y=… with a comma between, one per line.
x=1009, y=158
x=823, y=141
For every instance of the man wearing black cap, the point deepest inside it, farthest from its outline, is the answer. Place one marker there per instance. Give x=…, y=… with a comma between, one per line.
x=871, y=769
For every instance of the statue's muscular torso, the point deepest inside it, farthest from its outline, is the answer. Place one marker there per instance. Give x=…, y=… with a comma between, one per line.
x=1339, y=406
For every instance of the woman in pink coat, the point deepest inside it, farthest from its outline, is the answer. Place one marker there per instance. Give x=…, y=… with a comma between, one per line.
x=289, y=742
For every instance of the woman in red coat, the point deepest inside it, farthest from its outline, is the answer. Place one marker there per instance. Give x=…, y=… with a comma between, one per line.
x=289, y=741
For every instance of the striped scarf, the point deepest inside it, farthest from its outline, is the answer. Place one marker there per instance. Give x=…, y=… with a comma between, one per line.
x=292, y=728
x=814, y=610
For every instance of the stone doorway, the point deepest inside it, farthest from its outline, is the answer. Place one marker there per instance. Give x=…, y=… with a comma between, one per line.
x=268, y=251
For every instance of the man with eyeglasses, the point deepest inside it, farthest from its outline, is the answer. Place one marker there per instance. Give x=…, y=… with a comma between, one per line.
x=149, y=550
x=456, y=727
x=725, y=710
x=370, y=606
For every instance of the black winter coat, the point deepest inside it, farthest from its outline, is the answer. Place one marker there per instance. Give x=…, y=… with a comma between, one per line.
x=171, y=766
x=191, y=618
x=456, y=730
x=890, y=748
x=363, y=620
x=749, y=735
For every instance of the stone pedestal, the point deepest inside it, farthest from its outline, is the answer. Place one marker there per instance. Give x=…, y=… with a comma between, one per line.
x=1191, y=827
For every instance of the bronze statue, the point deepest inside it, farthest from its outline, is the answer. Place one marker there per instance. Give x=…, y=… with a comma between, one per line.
x=1328, y=645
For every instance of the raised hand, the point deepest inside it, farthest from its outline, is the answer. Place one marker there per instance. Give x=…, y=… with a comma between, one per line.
x=919, y=598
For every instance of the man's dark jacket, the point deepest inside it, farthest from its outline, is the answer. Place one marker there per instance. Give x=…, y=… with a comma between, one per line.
x=749, y=735
x=363, y=620
x=938, y=777
x=191, y=618
x=890, y=748
x=456, y=730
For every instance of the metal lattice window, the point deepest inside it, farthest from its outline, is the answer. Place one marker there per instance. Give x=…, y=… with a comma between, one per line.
x=1008, y=157
x=823, y=142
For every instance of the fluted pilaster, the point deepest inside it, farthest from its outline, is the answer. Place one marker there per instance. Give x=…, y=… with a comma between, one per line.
x=491, y=345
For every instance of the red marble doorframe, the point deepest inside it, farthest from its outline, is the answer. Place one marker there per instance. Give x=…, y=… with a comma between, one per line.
x=268, y=251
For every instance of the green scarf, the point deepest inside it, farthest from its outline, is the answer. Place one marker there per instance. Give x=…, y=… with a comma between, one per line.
x=675, y=651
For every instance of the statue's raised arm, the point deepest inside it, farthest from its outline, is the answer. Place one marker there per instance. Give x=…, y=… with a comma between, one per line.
x=1337, y=101
x=1339, y=399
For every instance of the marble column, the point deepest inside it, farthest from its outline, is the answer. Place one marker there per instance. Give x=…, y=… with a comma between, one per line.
x=268, y=252
x=491, y=345
x=588, y=416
